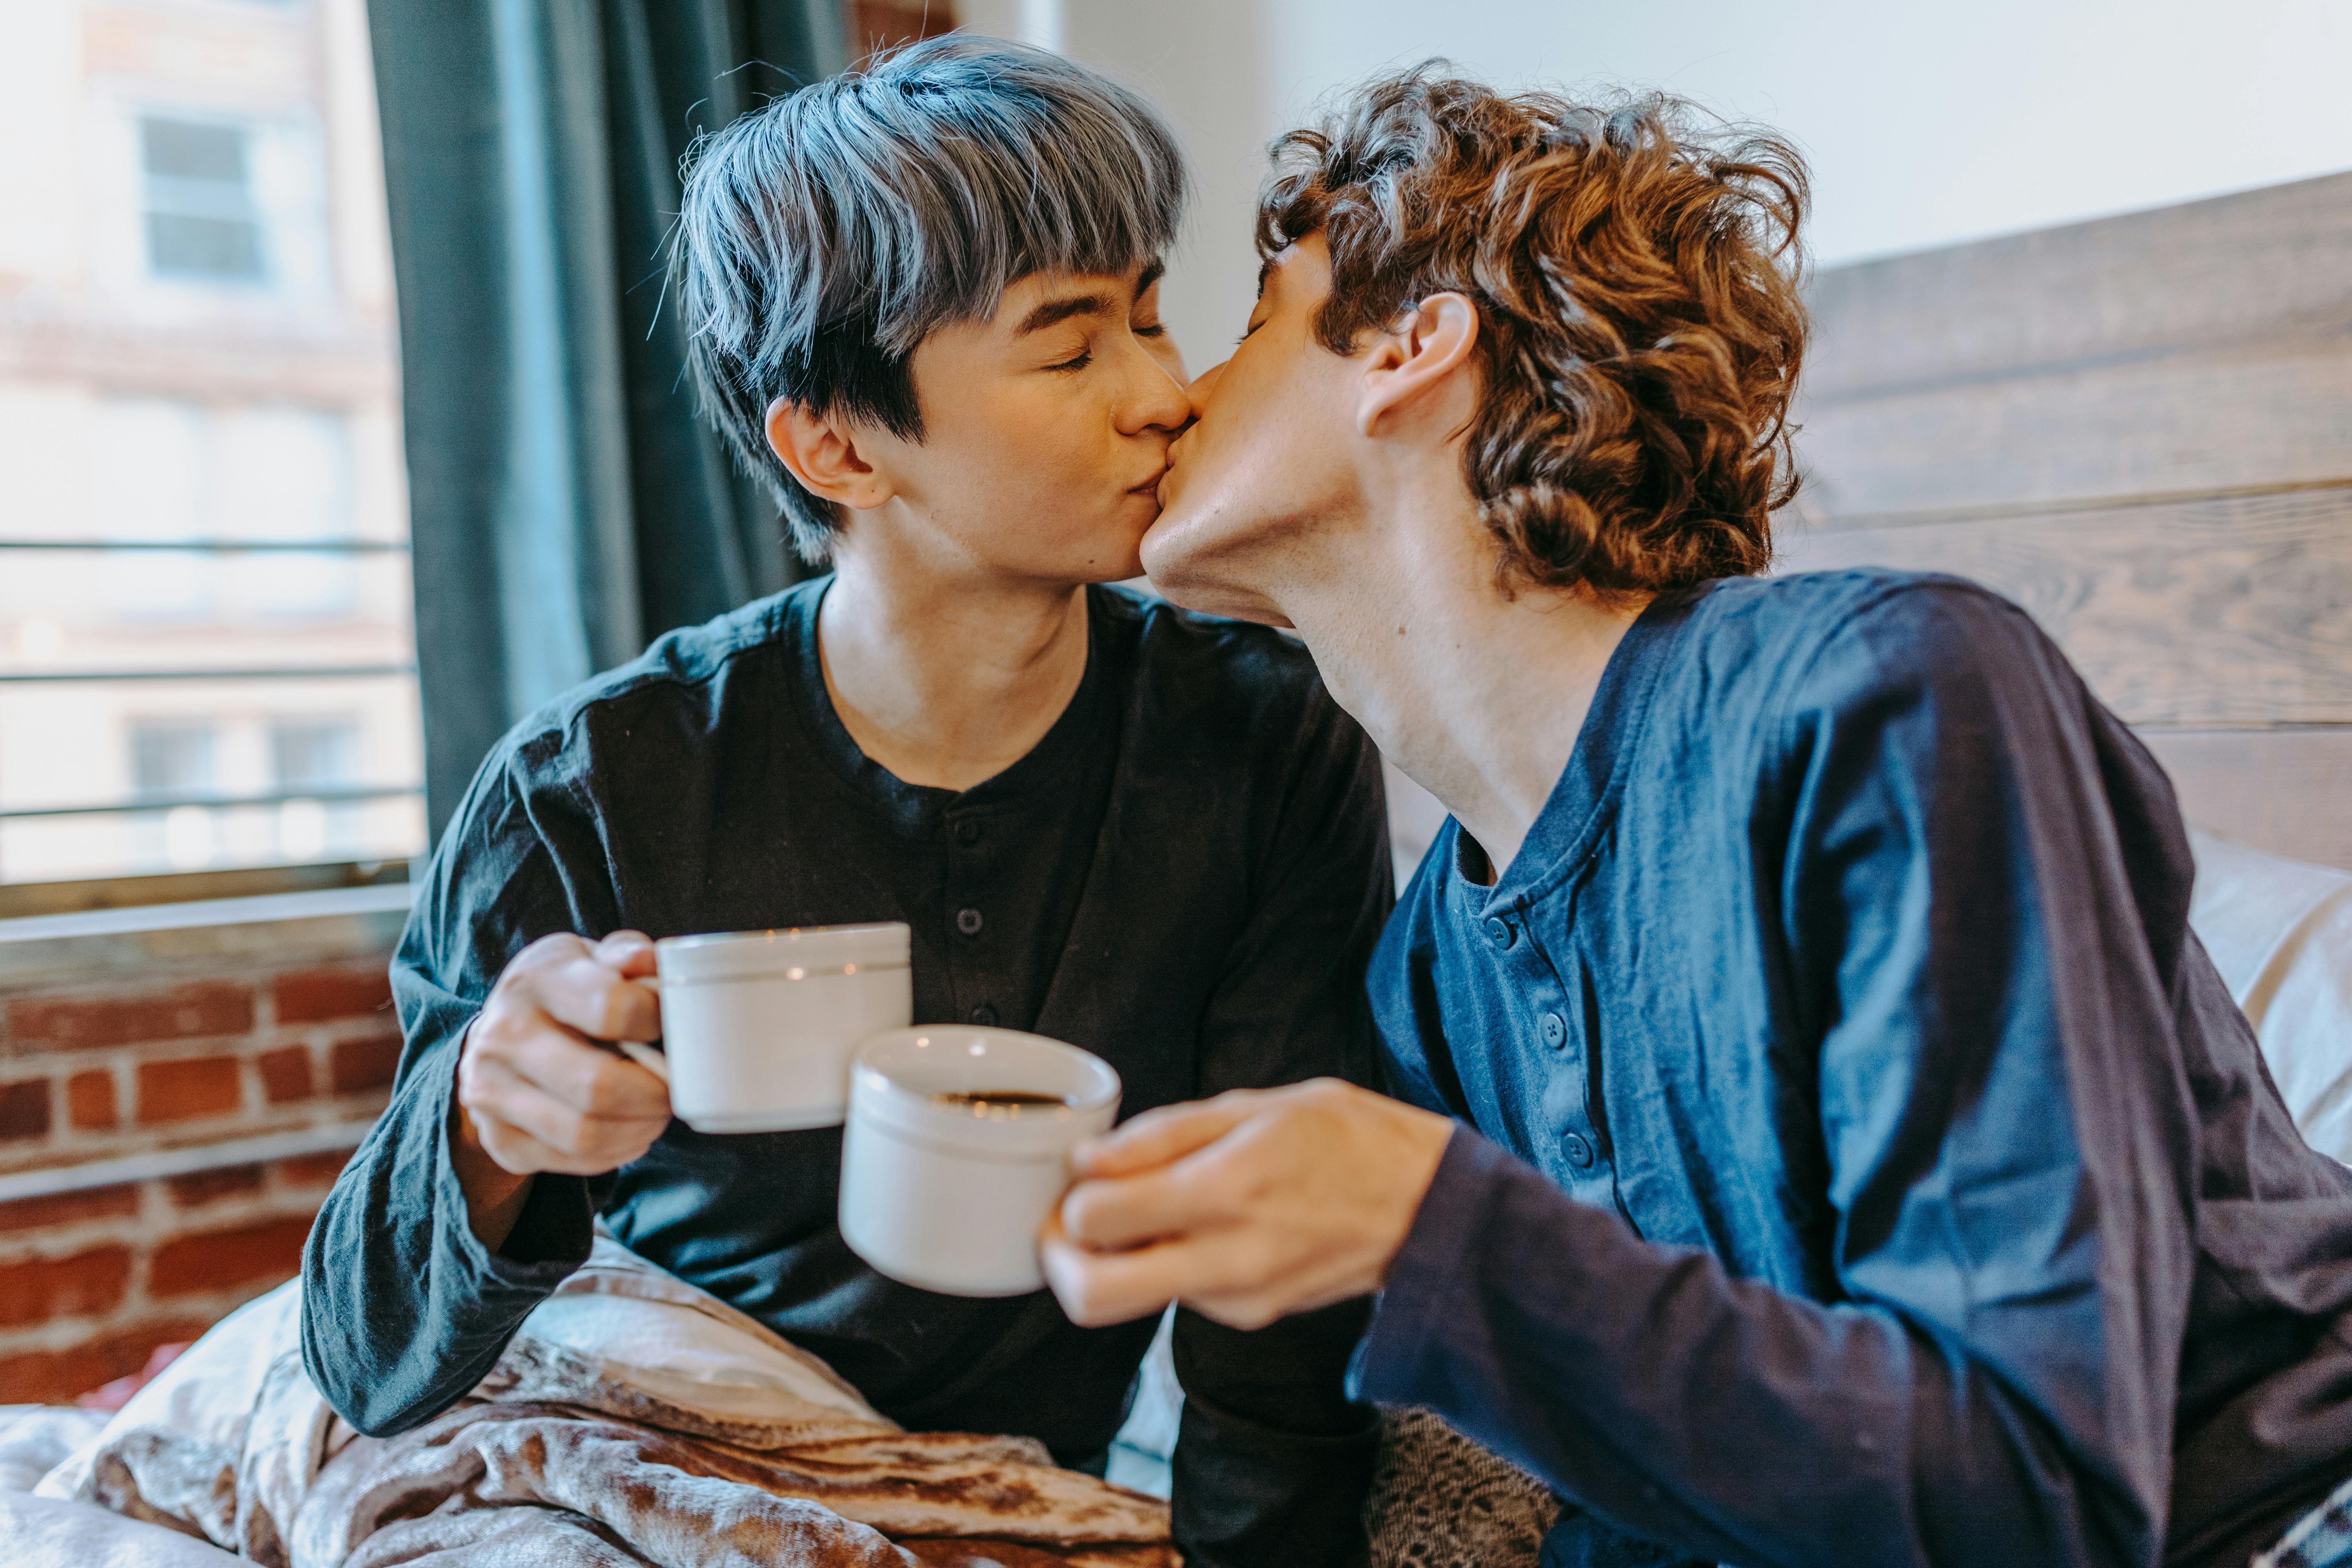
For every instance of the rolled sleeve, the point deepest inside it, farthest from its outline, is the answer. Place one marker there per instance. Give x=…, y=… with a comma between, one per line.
x=403, y=1309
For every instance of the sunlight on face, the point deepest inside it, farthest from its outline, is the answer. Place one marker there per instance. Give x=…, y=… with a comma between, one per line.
x=1269, y=451
x=1045, y=428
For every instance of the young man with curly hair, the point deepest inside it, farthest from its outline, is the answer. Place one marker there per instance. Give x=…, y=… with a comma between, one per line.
x=925, y=309
x=1869, y=1167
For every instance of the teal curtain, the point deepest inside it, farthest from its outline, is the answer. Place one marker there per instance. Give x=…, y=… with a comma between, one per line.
x=567, y=505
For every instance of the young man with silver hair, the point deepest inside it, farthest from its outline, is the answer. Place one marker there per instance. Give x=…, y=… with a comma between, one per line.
x=924, y=304
x=1821, y=1140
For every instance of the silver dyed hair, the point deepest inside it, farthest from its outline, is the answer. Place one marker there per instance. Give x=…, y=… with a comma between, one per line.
x=826, y=236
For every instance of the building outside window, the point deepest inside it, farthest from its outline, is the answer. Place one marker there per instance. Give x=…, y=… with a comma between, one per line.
x=206, y=654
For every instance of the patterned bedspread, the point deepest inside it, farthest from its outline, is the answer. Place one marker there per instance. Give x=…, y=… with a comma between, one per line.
x=565, y=1456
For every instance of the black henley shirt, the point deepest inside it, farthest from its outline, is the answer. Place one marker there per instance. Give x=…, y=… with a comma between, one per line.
x=1186, y=876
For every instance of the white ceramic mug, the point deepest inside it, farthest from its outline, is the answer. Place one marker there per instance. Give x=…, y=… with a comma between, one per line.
x=758, y=1027
x=946, y=1191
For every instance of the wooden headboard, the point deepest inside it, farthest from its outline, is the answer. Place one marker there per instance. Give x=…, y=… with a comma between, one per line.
x=2141, y=429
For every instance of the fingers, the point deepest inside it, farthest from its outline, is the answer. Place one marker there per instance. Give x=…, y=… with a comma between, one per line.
x=1114, y=1213
x=1299, y=1197
x=584, y=987
x=518, y=1151
x=1217, y=1276
x=585, y=1076
x=630, y=952
x=1161, y=1137
x=577, y=1141
x=1098, y=1289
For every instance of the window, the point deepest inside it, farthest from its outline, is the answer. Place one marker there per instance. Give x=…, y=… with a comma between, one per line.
x=201, y=220
x=171, y=758
x=206, y=654
x=315, y=763
x=314, y=753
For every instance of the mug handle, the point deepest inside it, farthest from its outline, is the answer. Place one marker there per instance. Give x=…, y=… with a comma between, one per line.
x=638, y=1051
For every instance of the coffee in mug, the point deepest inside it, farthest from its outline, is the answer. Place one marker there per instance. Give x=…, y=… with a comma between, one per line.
x=957, y=1148
x=758, y=1027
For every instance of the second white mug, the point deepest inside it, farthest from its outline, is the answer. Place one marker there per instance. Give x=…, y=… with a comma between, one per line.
x=957, y=1147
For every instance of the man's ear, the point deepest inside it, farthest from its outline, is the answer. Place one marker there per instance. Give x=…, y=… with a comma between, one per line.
x=1419, y=357
x=821, y=451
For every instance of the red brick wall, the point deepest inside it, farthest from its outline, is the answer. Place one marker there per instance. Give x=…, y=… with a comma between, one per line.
x=95, y=1068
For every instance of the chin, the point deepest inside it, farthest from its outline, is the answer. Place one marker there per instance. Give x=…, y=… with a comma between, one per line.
x=1182, y=572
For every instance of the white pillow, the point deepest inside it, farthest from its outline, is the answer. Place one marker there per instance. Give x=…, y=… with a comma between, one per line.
x=2281, y=934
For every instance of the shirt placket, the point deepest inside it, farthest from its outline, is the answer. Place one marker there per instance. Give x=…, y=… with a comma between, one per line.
x=975, y=918
x=1554, y=1056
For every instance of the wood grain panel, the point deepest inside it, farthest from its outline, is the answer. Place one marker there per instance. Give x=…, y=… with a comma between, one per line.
x=2139, y=428
x=2228, y=611
x=2260, y=265
x=2266, y=414
x=2287, y=791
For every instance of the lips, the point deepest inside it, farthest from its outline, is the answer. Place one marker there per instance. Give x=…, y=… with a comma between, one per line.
x=1150, y=487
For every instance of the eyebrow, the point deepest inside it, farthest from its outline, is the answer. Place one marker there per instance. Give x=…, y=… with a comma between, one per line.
x=1053, y=312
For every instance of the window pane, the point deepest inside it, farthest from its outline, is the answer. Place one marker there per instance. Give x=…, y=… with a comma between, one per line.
x=203, y=247
x=171, y=757
x=314, y=751
x=212, y=426
x=176, y=148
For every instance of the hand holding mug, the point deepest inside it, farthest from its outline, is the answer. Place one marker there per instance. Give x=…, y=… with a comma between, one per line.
x=1246, y=1208
x=538, y=1091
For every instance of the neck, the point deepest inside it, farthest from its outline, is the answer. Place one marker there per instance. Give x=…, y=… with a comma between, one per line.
x=946, y=673
x=1478, y=696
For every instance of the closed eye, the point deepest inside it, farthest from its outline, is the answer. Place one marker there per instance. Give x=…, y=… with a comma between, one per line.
x=1084, y=359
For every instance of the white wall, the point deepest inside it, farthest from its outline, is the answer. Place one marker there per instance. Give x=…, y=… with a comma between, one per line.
x=1926, y=124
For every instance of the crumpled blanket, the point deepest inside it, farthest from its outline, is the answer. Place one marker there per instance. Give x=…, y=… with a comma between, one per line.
x=565, y=1456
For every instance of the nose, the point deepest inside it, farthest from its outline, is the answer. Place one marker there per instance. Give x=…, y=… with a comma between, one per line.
x=1158, y=400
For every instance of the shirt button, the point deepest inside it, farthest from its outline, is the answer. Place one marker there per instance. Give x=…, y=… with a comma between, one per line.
x=968, y=831
x=1555, y=1030
x=1499, y=931
x=968, y=921
x=983, y=1015
x=1580, y=1153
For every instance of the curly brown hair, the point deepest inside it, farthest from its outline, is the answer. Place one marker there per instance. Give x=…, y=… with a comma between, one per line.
x=1636, y=268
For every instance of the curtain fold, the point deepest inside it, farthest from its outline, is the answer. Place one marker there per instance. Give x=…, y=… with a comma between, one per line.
x=567, y=505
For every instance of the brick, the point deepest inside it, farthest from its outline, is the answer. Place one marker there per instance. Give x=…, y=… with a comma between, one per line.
x=264, y=1253
x=196, y=1086
x=365, y=1063
x=24, y=1109
x=69, y=1208
x=285, y=1074
x=90, y=1100
x=312, y=1170
x=200, y=1187
x=37, y=1289
x=55, y=1377
x=320, y=995
x=88, y=1022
